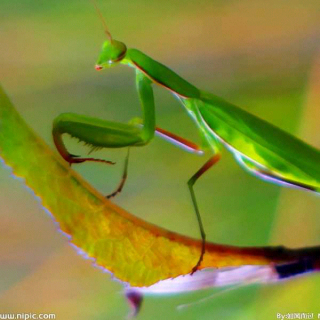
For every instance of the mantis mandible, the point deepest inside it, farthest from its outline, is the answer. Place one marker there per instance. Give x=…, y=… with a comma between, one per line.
x=261, y=148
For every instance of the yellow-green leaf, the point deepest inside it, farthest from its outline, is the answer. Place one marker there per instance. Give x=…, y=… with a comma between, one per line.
x=135, y=251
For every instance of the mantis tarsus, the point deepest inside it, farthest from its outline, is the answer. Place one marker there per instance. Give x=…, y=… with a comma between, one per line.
x=258, y=146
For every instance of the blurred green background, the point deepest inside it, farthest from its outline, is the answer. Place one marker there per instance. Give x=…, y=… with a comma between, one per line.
x=261, y=55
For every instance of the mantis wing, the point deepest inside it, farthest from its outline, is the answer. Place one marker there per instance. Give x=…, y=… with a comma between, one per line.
x=261, y=143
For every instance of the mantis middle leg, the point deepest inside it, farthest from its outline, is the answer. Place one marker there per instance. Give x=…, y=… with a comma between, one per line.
x=171, y=137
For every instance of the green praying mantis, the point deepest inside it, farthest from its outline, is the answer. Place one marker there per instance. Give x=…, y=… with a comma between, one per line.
x=261, y=148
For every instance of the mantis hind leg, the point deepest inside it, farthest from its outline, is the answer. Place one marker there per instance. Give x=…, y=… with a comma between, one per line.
x=192, y=147
x=213, y=160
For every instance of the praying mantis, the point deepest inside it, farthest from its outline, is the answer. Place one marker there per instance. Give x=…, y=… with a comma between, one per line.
x=258, y=146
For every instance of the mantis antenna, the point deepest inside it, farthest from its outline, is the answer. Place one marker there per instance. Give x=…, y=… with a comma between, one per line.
x=106, y=30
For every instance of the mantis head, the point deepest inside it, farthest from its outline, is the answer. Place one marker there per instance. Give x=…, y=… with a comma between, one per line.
x=112, y=52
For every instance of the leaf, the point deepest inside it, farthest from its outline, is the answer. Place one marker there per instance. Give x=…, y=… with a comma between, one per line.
x=134, y=250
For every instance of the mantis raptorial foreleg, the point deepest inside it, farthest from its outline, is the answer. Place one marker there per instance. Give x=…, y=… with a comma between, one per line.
x=106, y=134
